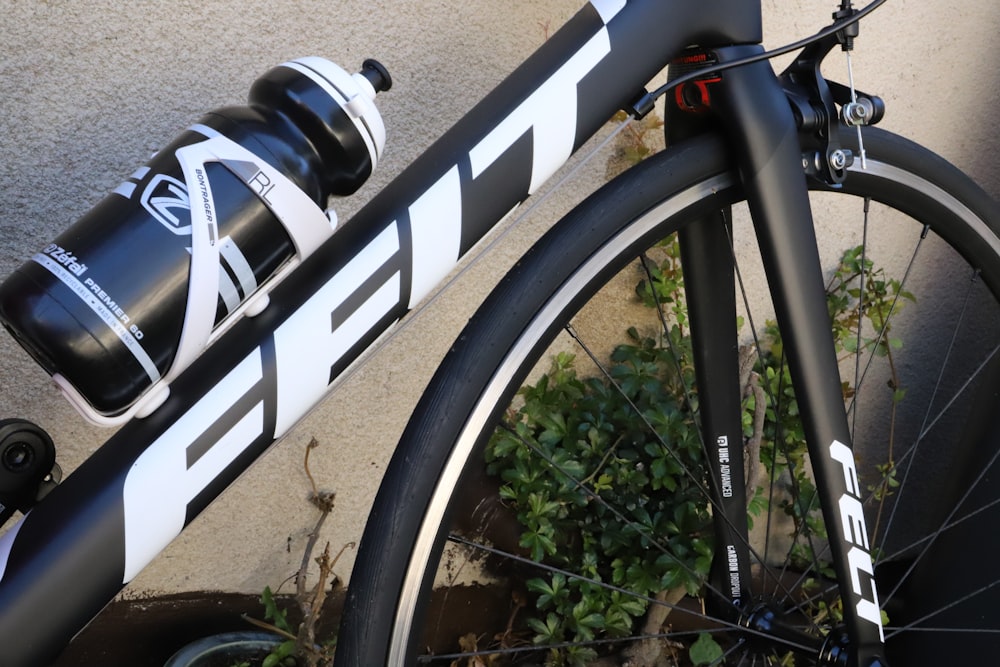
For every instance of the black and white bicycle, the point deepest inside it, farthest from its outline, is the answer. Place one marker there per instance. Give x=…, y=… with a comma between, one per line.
x=671, y=472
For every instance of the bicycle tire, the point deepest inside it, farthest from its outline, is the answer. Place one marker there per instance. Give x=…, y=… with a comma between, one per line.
x=508, y=335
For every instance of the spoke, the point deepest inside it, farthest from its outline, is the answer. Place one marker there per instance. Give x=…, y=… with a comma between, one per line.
x=973, y=281
x=901, y=551
x=961, y=390
x=950, y=605
x=925, y=428
x=723, y=625
x=861, y=310
x=653, y=539
x=916, y=543
x=758, y=350
x=674, y=355
x=890, y=454
x=892, y=309
x=803, y=603
x=699, y=484
x=779, y=574
x=722, y=658
x=908, y=454
x=941, y=529
x=984, y=631
x=797, y=605
x=775, y=401
x=517, y=650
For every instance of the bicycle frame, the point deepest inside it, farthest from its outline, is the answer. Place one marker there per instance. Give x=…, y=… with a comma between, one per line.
x=111, y=517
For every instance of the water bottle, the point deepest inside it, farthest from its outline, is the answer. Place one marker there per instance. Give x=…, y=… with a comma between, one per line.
x=132, y=293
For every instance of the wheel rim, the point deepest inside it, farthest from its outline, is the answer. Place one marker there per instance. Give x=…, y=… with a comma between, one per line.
x=520, y=354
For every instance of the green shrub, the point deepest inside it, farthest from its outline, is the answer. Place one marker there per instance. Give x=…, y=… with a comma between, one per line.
x=606, y=473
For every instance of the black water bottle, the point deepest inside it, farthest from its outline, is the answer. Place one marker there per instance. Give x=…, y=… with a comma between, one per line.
x=127, y=297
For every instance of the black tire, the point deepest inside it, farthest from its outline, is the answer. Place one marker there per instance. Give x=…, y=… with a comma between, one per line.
x=444, y=442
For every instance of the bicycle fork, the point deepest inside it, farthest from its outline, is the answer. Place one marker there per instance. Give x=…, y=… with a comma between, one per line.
x=764, y=141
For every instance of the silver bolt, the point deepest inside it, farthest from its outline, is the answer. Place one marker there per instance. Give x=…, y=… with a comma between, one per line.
x=838, y=159
x=859, y=112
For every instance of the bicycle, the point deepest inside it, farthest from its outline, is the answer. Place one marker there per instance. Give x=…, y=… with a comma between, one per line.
x=696, y=180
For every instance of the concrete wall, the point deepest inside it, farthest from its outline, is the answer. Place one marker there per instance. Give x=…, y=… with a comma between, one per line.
x=90, y=89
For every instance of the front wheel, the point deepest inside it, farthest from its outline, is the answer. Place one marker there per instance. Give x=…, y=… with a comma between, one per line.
x=547, y=503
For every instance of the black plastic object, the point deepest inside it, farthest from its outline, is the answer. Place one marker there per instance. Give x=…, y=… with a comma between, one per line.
x=27, y=456
x=103, y=307
x=377, y=75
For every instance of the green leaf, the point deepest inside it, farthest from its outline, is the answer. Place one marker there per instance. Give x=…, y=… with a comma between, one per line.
x=548, y=631
x=589, y=429
x=273, y=613
x=705, y=650
x=280, y=652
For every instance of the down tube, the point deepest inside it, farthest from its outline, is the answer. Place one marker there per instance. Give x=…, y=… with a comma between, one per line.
x=765, y=139
x=72, y=554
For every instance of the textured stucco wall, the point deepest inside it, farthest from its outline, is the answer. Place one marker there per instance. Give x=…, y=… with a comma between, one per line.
x=90, y=89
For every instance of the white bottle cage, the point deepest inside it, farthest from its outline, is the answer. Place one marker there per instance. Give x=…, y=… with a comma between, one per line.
x=307, y=225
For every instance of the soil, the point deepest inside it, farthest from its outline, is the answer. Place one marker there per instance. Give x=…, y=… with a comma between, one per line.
x=146, y=632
